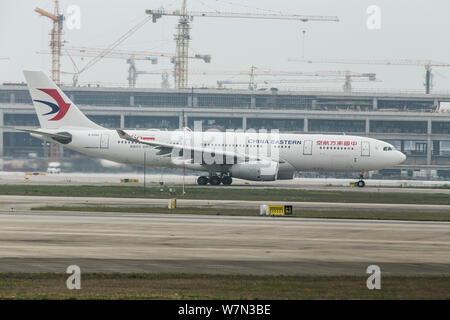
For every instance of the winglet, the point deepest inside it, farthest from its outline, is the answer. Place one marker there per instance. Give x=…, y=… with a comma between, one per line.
x=122, y=134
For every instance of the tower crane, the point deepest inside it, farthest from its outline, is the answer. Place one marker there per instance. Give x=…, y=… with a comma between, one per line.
x=85, y=51
x=129, y=55
x=254, y=72
x=112, y=46
x=163, y=73
x=56, y=45
x=183, y=31
x=55, y=39
x=319, y=76
x=427, y=64
x=52, y=151
x=346, y=87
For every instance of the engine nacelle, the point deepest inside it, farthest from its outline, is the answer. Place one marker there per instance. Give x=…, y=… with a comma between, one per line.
x=255, y=170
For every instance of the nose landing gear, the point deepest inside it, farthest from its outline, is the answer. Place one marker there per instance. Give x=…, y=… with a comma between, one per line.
x=361, y=183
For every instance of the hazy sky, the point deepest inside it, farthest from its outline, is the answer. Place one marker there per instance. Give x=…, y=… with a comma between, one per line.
x=410, y=29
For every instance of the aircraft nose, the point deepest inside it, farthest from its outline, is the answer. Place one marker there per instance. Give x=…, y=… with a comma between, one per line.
x=402, y=157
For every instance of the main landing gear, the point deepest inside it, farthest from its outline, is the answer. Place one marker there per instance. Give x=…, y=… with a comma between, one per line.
x=215, y=180
x=361, y=183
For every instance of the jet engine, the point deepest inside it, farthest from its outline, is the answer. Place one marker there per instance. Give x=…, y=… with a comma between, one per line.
x=255, y=170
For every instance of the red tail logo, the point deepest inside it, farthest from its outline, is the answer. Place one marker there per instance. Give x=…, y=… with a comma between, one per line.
x=63, y=107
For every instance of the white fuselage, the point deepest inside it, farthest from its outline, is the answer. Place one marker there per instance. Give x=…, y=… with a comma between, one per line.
x=256, y=156
x=297, y=152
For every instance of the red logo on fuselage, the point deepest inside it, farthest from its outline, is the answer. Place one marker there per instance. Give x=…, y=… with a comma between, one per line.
x=142, y=138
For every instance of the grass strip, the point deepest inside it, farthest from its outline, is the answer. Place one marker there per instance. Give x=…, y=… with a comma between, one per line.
x=201, y=286
x=218, y=193
x=330, y=214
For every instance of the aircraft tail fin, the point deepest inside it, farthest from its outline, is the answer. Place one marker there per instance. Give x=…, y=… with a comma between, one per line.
x=54, y=109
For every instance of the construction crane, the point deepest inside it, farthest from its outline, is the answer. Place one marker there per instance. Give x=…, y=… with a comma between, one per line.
x=128, y=55
x=164, y=76
x=85, y=51
x=52, y=151
x=105, y=52
x=253, y=86
x=55, y=39
x=130, y=59
x=183, y=31
x=256, y=72
x=347, y=76
x=427, y=64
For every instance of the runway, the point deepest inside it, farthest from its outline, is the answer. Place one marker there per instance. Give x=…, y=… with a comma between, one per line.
x=127, y=242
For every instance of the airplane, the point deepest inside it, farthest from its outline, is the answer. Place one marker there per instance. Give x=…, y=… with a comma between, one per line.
x=248, y=155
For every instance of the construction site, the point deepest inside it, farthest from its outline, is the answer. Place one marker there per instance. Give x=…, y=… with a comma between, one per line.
x=416, y=122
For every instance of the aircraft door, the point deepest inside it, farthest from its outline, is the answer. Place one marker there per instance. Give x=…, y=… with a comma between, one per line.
x=365, y=149
x=307, y=148
x=104, y=141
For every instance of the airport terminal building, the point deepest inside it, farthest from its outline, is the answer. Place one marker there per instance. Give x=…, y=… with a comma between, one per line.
x=413, y=122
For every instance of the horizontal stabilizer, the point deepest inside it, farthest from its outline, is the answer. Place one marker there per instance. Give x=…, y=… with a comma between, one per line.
x=62, y=137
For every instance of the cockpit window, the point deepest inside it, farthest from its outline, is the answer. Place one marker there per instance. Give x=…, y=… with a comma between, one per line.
x=387, y=149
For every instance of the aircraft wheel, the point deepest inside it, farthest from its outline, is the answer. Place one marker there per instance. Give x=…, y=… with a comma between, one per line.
x=361, y=183
x=202, y=180
x=227, y=180
x=214, y=180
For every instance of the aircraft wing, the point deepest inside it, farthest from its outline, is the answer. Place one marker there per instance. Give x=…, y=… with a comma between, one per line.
x=167, y=148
